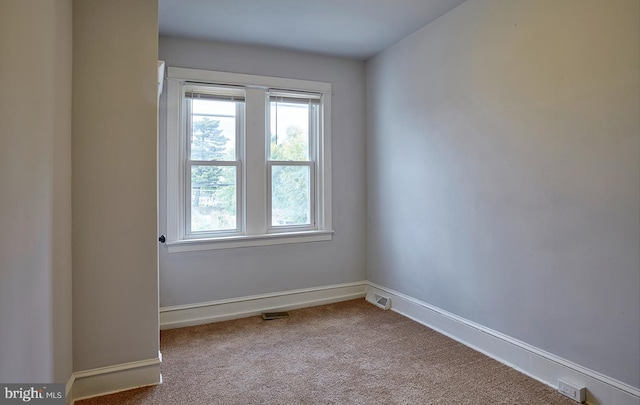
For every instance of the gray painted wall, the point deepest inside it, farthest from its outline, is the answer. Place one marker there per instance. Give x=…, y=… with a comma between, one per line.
x=35, y=196
x=115, y=283
x=504, y=177
x=212, y=275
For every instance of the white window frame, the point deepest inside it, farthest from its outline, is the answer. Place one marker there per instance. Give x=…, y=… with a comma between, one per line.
x=254, y=213
x=185, y=219
x=315, y=128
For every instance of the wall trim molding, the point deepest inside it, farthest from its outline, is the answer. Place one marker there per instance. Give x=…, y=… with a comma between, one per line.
x=530, y=360
x=67, y=389
x=116, y=378
x=179, y=316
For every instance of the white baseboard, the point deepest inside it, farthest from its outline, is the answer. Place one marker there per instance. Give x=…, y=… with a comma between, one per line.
x=67, y=391
x=536, y=363
x=222, y=310
x=116, y=378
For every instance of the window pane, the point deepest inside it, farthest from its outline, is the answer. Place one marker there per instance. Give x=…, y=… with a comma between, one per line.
x=290, y=196
x=289, y=131
x=213, y=198
x=205, y=106
x=213, y=130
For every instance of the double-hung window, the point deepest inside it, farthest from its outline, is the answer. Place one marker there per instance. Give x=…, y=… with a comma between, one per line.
x=213, y=130
x=248, y=160
x=293, y=130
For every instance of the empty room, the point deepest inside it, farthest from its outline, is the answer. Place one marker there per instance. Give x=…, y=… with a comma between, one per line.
x=332, y=202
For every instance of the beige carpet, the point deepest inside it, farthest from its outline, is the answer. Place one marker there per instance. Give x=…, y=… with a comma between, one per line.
x=345, y=353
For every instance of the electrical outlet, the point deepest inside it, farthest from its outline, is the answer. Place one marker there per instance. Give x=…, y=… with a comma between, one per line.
x=572, y=391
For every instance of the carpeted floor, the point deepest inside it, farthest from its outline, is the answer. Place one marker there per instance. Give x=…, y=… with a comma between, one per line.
x=344, y=353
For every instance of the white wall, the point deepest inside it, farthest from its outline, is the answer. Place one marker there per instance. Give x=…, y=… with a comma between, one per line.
x=504, y=177
x=115, y=293
x=35, y=196
x=213, y=275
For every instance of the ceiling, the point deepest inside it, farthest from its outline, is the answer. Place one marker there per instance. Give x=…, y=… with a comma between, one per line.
x=349, y=28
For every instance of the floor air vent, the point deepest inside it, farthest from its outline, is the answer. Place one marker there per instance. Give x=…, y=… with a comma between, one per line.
x=268, y=316
x=379, y=300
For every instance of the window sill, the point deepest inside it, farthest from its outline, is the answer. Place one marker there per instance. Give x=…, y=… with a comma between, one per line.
x=231, y=242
